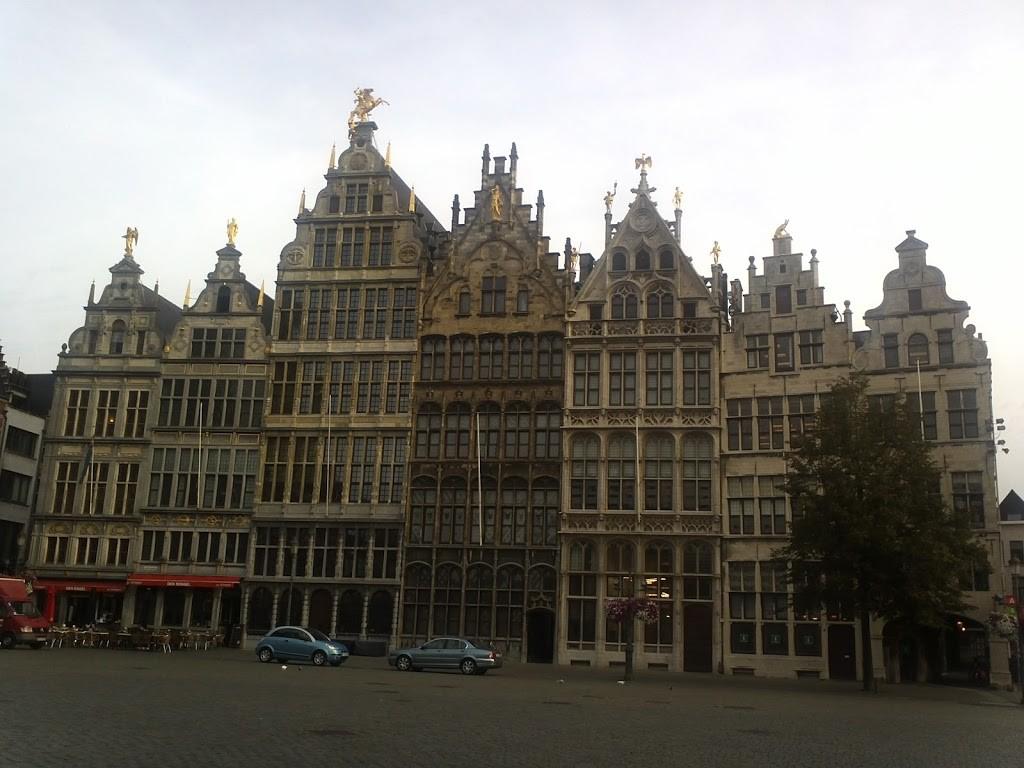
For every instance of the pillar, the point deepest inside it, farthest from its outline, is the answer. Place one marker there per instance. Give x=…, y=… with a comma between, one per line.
x=158, y=609
x=186, y=616
x=215, y=611
x=273, y=607
x=366, y=609
x=243, y=618
x=305, y=606
x=335, y=595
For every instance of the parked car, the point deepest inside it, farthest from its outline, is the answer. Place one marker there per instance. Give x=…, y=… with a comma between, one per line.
x=468, y=656
x=301, y=644
x=20, y=622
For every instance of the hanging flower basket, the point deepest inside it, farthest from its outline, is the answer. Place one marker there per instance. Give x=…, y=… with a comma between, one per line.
x=1002, y=625
x=623, y=609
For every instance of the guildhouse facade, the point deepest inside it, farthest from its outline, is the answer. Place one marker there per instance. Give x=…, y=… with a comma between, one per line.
x=326, y=537
x=462, y=433
x=641, y=511
x=481, y=533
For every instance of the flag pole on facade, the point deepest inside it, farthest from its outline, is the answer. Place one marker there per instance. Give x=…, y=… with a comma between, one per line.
x=639, y=496
x=327, y=499
x=479, y=482
x=920, y=399
x=199, y=483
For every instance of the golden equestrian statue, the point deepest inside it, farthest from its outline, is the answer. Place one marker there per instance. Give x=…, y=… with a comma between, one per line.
x=365, y=103
x=130, y=237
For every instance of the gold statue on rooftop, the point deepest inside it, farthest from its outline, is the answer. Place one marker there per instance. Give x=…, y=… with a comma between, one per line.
x=677, y=199
x=780, y=231
x=715, y=252
x=496, y=203
x=232, y=231
x=130, y=237
x=610, y=197
x=365, y=103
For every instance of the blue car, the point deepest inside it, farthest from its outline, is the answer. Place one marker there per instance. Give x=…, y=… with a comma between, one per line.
x=301, y=644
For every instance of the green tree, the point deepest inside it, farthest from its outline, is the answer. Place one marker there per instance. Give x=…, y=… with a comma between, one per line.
x=870, y=530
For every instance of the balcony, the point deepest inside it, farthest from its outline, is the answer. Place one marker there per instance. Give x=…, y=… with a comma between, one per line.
x=663, y=327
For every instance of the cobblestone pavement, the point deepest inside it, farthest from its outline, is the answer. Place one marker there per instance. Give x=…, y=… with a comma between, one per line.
x=86, y=707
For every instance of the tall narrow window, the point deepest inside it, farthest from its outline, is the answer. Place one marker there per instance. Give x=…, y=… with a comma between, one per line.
x=963, y=414
x=659, y=378
x=741, y=505
x=106, y=412
x=492, y=296
x=428, y=432
x=622, y=378
x=659, y=452
x=772, y=501
x=945, y=346
x=117, y=334
x=914, y=299
x=890, y=350
x=811, y=347
x=696, y=377
x=969, y=497
x=586, y=378
x=76, y=413
x=917, y=349
x=517, y=431
x=740, y=424
x=783, y=299
x=622, y=473
x=770, y=433
x=757, y=351
x=456, y=431
x=223, y=299
x=697, y=450
x=784, y=352
x=583, y=486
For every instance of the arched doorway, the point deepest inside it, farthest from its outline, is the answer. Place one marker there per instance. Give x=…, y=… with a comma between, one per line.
x=320, y=610
x=350, y=613
x=540, y=636
x=963, y=652
x=289, y=607
x=378, y=617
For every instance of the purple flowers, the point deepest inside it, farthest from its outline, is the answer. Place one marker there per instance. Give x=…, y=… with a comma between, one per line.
x=622, y=609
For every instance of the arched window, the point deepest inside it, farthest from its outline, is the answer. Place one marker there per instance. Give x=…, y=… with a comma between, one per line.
x=544, y=513
x=513, y=511
x=447, y=599
x=622, y=473
x=582, y=597
x=492, y=357
x=659, y=452
x=619, y=261
x=452, y=525
x=620, y=565
x=489, y=415
x=541, y=580
x=583, y=486
x=416, y=601
x=422, y=508
x=224, y=299
x=479, y=601
x=549, y=357
x=463, y=358
x=697, y=568
x=117, y=333
x=520, y=356
x=509, y=596
x=658, y=586
x=428, y=432
x=666, y=259
x=349, y=613
x=289, y=607
x=547, y=434
x=456, y=431
x=517, y=431
x=917, y=349
x=660, y=303
x=697, y=450
x=643, y=261
x=624, y=304
x=261, y=604
x=432, y=359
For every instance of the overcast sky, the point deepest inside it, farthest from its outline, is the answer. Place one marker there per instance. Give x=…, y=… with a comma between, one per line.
x=855, y=120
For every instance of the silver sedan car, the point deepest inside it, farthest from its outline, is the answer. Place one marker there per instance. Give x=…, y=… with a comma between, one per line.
x=468, y=656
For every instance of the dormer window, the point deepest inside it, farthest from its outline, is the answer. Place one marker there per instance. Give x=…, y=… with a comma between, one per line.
x=619, y=261
x=117, y=332
x=223, y=299
x=643, y=261
x=666, y=260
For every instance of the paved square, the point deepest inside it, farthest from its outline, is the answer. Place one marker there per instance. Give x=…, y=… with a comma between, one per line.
x=86, y=707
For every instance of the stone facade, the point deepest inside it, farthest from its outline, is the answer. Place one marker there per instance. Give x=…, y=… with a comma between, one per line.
x=482, y=519
x=325, y=548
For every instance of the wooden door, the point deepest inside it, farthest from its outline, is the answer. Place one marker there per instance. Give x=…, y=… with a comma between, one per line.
x=697, y=637
x=842, y=652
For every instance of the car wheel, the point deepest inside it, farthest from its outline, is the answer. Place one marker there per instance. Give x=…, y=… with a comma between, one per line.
x=468, y=667
x=319, y=658
x=403, y=663
x=7, y=642
x=265, y=655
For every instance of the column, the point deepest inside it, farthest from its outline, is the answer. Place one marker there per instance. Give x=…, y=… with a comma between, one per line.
x=369, y=554
x=335, y=595
x=215, y=611
x=186, y=616
x=273, y=608
x=366, y=608
x=305, y=606
x=128, y=606
x=158, y=609
x=243, y=618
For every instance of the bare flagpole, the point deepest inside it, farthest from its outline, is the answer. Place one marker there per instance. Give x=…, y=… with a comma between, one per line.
x=330, y=473
x=479, y=482
x=920, y=399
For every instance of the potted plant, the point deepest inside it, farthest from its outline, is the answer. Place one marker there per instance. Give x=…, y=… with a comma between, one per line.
x=625, y=611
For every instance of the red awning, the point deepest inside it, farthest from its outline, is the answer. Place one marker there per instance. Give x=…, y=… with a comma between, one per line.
x=76, y=585
x=182, y=580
